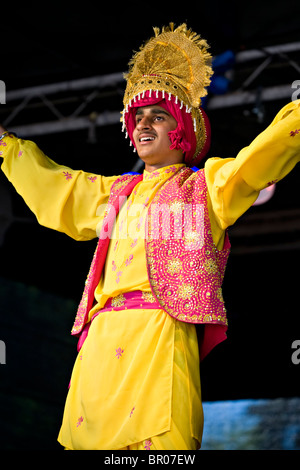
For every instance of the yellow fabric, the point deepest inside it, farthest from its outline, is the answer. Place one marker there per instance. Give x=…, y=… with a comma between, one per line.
x=137, y=348
x=136, y=378
x=70, y=204
x=62, y=199
x=69, y=201
x=125, y=267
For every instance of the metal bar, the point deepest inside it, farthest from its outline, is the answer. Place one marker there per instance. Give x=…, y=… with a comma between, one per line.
x=98, y=81
x=101, y=81
x=67, y=124
x=113, y=117
x=253, y=54
x=246, y=97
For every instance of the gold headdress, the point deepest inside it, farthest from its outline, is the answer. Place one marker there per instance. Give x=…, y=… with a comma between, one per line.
x=175, y=62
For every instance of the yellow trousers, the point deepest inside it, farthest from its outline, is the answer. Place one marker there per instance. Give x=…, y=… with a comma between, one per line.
x=186, y=423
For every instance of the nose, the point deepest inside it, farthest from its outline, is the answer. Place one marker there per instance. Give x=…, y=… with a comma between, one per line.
x=143, y=123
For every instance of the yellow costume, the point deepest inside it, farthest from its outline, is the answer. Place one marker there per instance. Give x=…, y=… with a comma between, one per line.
x=112, y=402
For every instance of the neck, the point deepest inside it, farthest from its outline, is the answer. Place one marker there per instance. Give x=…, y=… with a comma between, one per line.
x=156, y=166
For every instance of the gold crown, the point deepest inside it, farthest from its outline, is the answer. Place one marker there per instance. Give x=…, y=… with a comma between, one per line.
x=176, y=62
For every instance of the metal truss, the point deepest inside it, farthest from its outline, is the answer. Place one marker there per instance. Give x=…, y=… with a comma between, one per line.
x=91, y=88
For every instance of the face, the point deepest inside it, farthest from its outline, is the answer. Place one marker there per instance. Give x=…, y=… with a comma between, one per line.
x=151, y=137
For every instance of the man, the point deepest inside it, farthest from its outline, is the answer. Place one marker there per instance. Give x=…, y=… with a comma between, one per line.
x=158, y=267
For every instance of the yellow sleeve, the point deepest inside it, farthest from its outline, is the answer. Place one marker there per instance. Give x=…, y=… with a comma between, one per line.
x=234, y=183
x=61, y=198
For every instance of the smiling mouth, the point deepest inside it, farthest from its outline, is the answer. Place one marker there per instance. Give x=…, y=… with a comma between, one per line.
x=146, y=139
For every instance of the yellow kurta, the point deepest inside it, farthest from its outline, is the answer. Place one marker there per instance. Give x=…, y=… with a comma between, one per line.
x=122, y=383
x=113, y=400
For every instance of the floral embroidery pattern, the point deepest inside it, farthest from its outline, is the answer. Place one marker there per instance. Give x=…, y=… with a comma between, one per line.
x=3, y=143
x=293, y=133
x=134, y=243
x=211, y=266
x=152, y=175
x=148, y=297
x=114, y=267
x=79, y=421
x=118, y=301
x=172, y=169
x=174, y=266
x=119, y=352
x=67, y=175
x=119, y=273
x=185, y=291
x=148, y=444
x=92, y=178
x=140, y=223
x=20, y=153
x=128, y=261
x=131, y=412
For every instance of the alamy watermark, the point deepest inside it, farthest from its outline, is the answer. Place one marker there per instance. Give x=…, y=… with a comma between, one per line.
x=2, y=352
x=164, y=221
x=296, y=354
x=296, y=93
x=2, y=92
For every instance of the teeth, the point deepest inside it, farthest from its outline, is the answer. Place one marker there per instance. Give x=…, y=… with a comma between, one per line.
x=144, y=139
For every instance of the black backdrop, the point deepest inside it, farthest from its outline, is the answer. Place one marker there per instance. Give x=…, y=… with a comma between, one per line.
x=43, y=272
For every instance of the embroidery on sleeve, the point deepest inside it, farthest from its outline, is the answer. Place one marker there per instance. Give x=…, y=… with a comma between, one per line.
x=79, y=421
x=92, y=178
x=293, y=133
x=67, y=175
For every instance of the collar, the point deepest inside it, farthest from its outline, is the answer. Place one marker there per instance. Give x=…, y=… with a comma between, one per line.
x=162, y=173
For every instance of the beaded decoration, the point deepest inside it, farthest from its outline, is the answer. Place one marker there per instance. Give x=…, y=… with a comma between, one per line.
x=186, y=272
x=177, y=63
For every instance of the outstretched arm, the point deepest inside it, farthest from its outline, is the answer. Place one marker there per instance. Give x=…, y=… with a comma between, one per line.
x=61, y=198
x=234, y=183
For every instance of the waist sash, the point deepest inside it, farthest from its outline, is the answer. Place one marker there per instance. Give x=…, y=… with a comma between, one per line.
x=128, y=300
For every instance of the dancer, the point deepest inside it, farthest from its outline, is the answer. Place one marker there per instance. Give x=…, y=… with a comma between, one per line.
x=152, y=307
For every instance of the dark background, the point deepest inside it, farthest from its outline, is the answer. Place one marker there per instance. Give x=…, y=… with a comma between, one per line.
x=43, y=272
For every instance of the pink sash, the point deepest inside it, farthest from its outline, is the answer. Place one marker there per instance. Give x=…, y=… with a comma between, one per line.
x=128, y=300
x=212, y=334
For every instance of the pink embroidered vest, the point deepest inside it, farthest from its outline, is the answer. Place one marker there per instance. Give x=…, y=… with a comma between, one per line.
x=185, y=269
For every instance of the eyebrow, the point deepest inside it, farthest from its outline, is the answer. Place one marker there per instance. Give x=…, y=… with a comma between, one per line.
x=153, y=111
